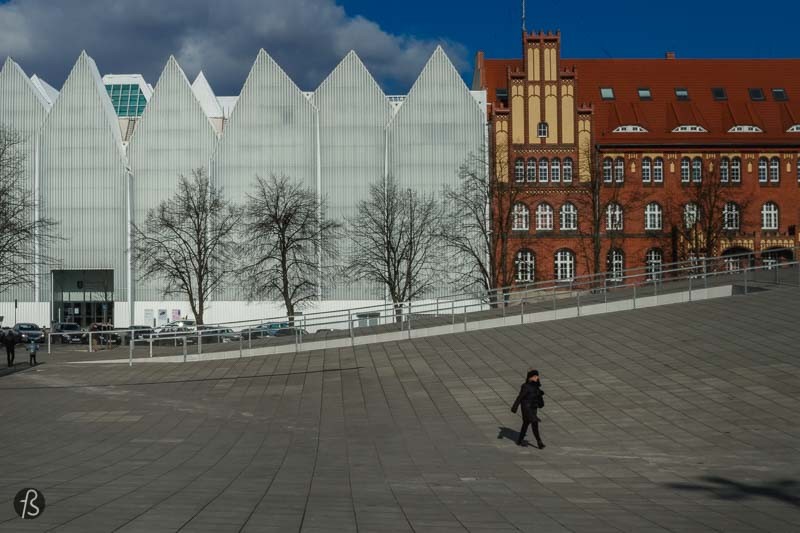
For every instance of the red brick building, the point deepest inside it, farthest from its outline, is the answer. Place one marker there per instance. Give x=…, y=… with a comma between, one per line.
x=667, y=159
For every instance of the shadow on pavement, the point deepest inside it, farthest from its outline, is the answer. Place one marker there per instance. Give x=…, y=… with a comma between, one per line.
x=784, y=490
x=507, y=433
x=18, y=367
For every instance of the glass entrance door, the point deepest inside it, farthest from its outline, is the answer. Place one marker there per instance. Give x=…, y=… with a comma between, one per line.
x=83, y=296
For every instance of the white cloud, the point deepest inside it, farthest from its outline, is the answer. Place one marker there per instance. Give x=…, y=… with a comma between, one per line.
x=307, y=37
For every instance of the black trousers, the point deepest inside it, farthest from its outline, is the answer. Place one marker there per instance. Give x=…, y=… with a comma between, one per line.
x=534, y=424
x=10, y=355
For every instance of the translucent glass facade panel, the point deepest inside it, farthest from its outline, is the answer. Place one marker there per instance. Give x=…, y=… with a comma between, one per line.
x=83, y=178
x=439, y=128
x=353, y=114
x=23, y=110
x=173, y=137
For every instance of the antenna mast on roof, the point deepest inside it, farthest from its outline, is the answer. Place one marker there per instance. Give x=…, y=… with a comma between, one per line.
x=523, y=17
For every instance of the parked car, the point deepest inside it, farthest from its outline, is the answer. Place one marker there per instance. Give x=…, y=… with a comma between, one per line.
x=290, y=332
x=179, y=326
x=256, y=332
x=216, y=334
x=272, y=328
x=139, y=333
x=67, y=333
x=97, y=329
x=26, y=332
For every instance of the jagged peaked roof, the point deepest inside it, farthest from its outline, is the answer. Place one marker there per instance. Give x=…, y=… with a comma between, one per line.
x=205, y=95
x=48, y=91
x=12, y=71
x=84, y=73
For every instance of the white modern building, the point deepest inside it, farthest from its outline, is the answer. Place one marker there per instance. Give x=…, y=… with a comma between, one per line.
x=104, y=150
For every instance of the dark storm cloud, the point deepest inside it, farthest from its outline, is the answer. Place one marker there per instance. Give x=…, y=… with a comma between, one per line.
x=307, y=38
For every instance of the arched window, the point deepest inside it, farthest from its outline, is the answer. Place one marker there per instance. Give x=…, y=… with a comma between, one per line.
x=542, y=130
x=544, y=217
x=653, y=261
x=775, y=170
x=531, y=169
x=731, y=216
x=521, y=217
x=691, y=214
x=519, y=170
x=567, y=170
x=769, y=216
x=647, y=169
x=569, y=217
x=555, y=170
x=685, y=169
x=616, y=264
x=607, y=164
x=619, y=170
x=652, y=217
x=658, y=170
x=697, y=170
x=763, y=166
x=565, y=265
x=614, y=217
x=543, y=170
x=736, y=169
x=724, y=170
x=525, y=264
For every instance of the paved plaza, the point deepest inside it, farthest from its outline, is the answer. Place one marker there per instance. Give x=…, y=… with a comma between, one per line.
x=676, y=418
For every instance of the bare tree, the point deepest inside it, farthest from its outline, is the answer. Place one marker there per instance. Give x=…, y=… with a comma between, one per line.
x=595, y=196
x=698, y=216
x=188, y=241
x=24, y=238
x=397, y=241
x=287, y=240
x=478, y=229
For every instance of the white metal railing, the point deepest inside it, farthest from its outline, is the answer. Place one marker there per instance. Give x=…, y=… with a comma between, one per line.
x=743, y=268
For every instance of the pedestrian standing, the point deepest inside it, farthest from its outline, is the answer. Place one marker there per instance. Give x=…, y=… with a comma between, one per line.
x=530, y=398
x=33, y=347
x=10, y=339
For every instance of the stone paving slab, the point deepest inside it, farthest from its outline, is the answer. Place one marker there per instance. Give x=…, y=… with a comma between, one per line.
x=674, y=418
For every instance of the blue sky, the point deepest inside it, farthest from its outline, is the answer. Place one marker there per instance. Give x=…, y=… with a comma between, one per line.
x=309, y=37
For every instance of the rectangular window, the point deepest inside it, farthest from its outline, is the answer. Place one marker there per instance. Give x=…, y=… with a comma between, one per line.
x=719, y=93
x=607, y=93
x=644, y=93
x=501, y=95
x=779, y=95
x=756, y=95
x=681, y=93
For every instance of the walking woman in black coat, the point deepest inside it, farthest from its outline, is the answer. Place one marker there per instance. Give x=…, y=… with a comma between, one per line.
x=531, y=398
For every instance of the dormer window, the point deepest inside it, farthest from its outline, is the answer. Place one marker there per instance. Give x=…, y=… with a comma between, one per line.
x=756, y=95
x=719, y=93
x=681, y=93
x=745, y=129
x=542, y=130
x=779, y=95
x=630, y=128
x=794, y=129
x=645, y=94
x=607, y=93
x=690, y=128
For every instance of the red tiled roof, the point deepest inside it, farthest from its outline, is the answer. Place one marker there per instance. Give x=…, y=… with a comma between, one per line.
x=664, y=112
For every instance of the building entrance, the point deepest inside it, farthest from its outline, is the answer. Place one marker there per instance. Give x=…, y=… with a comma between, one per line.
x=83, y=296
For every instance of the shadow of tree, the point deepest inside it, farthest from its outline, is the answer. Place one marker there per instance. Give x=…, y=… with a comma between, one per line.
x=784, y=490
